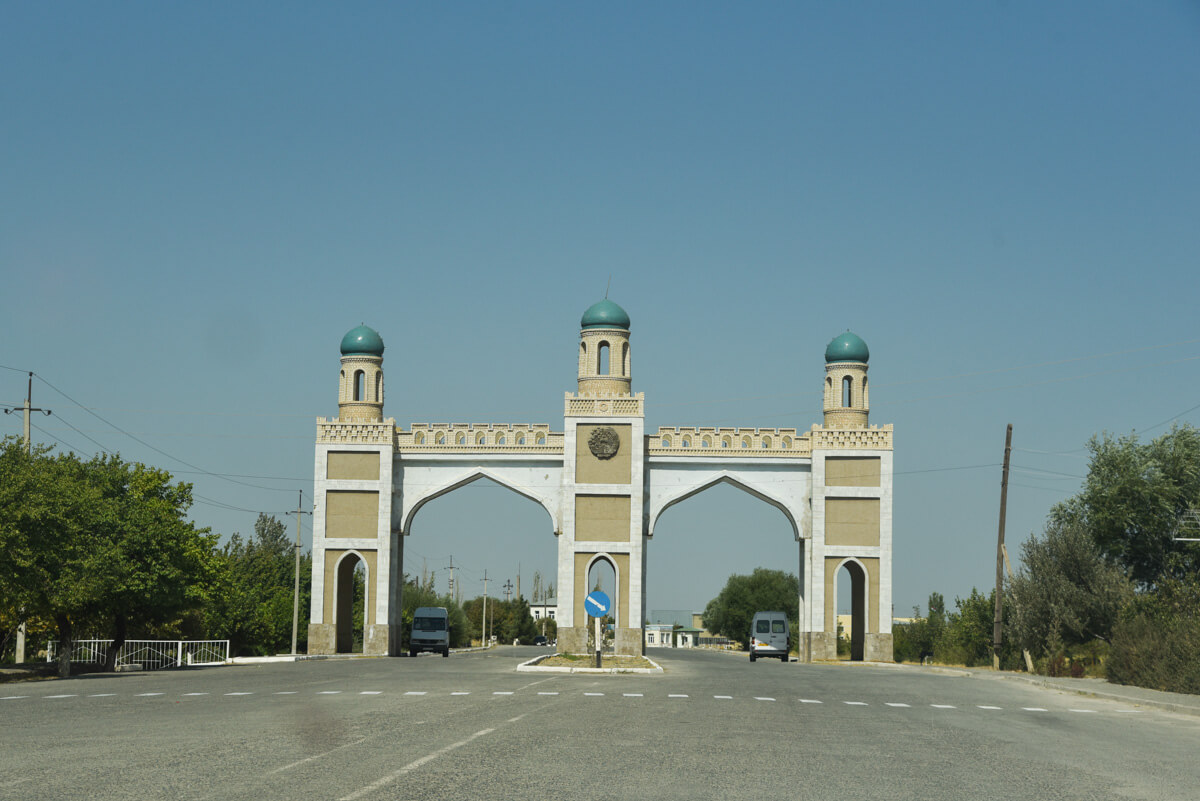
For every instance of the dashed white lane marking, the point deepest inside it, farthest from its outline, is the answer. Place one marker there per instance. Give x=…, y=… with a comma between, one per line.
x=460, y=693
x=502, y=692
x=943, y=706
x=984, y=706
x=107, y=695
x=411, y=766
x=239, y=693
x=195, y=693
x=810, y=701
x=724, y=697
x=414, y=692
x=315, y=756
x=371, y=692
x=547, y=693
x=856, y=703
x=676, y=695
x=594, y=695
x=1035, y=709
x=632, y=695
x=762, y=698
x=329, y=692
x=286, y=692
x=147, y=695
x=73, y=696
x=13, y=697
x=905, y=706
x=1084, y=711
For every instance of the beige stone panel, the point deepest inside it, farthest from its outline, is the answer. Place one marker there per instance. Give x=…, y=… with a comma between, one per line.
x=591, y=470
x=852, y=521
x=871, y=565
x=845, y=471
x=351, y=513
x=352, y=466
x=331, y=560
x=602, y=518
x=621, y=563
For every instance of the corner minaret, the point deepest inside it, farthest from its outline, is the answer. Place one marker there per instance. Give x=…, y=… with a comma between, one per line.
x=360, y=386
x=604, y=351
x=847, y=403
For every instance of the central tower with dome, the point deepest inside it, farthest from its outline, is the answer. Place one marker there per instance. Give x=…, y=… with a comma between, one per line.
x=604, y=481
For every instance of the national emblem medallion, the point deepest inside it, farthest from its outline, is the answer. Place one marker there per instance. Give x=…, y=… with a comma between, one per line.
x=604, y=443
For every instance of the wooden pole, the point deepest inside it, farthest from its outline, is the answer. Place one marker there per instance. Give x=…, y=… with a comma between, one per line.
x=998, y=621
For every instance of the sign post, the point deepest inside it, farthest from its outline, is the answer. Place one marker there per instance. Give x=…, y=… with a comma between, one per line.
x=597, y=605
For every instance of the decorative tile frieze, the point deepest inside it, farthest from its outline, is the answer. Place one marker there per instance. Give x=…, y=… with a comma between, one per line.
x=606, y=405
x=479, y=438
x=355, y=432
x=873, y=438
x=757, y=442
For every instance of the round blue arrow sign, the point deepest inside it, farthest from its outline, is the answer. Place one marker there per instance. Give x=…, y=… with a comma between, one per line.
x=597, y=604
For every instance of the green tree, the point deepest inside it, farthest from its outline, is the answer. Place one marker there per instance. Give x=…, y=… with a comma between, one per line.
x=1133, y=500
x=253, y=608
x=1065, y=592
x=730, y=613
x=100, y=545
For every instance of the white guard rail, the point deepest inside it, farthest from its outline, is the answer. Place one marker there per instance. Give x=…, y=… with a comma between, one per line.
x=150, y=654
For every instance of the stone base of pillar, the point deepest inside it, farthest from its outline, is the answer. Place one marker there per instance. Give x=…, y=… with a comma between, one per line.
x=878, y=648
x=572, y=640
x=322, y=638
x=822, y=646
x=382, y=640
x=630, y=642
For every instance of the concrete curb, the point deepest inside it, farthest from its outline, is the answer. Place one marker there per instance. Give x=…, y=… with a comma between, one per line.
x=1112, y=695
x=532, y=667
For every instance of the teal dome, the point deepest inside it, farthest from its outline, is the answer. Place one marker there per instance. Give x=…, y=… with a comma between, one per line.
x=362, y=341
x=605, y=314
x=848, y=347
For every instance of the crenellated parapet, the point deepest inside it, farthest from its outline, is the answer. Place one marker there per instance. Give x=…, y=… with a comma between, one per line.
x=749, y=442
x=479, y=438
x=606, y=405
x=875, y=438
x=355, y=432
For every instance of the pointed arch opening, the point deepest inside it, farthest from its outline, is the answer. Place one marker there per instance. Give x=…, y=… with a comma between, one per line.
x=359, y=381
x=351, y=580
x=604, y=355
x=850, y=622
x=847, y=392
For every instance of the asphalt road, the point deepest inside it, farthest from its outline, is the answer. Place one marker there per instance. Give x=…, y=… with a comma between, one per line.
x=713, y=726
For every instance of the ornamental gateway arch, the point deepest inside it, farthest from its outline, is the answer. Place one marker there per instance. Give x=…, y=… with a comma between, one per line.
x=604, y=480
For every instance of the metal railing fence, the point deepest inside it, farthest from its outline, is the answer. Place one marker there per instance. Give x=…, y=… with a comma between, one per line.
x=150, y=654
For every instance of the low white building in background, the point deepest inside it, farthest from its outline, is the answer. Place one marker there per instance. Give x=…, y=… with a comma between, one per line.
x=543, y=611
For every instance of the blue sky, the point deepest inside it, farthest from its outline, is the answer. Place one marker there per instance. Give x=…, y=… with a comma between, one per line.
x=1001, y=199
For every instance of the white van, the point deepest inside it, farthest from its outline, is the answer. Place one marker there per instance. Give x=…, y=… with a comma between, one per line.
x=770, y=635
x=430, y=631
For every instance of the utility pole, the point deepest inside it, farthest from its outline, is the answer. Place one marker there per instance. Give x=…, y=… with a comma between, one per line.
x=27, y=408
x=484, y=625
x=452, y=576
x=508, y=590
x=998, y=621
x=296, y=597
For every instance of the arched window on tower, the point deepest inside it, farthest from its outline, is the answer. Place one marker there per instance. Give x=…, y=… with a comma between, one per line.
x=865, y=401
x=625, y=360
x=828, y=391
x=604, y=357
x=359, y=379
x=379, y=387
x=847, y=392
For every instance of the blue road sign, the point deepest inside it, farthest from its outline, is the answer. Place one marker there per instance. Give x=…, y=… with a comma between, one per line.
x=597, y=603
